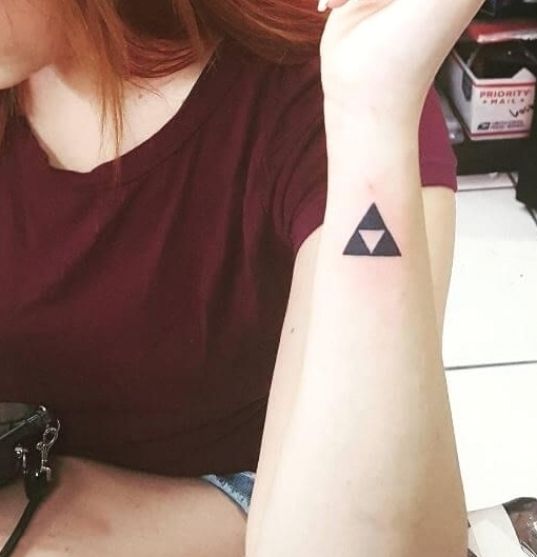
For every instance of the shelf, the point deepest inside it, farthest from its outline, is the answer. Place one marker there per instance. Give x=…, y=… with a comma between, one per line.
x=482, y=157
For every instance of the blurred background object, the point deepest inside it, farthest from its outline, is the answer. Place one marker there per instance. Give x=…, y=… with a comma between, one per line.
x=488, y=84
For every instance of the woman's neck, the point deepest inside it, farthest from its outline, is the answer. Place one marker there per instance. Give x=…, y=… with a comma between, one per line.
x=65, y=114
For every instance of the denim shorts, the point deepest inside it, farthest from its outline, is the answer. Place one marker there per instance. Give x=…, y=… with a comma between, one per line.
x=238, y=487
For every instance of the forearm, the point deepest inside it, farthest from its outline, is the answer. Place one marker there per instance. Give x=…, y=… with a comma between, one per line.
x=369, y=464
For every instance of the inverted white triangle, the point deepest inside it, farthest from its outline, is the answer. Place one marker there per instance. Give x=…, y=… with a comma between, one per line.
x=371, y=238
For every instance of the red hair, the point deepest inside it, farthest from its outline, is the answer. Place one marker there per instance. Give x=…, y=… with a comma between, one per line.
x=127, y=39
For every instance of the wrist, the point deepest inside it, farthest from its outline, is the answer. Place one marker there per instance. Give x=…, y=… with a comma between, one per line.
x=370, y=112
x=370, y=140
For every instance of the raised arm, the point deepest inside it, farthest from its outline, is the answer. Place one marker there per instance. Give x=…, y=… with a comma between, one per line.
x=370, y=453
x=368, y=463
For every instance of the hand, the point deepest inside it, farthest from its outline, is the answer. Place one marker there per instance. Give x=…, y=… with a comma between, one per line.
x=373, y=49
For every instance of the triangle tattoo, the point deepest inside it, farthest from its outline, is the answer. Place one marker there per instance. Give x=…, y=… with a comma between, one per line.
x=372, y=237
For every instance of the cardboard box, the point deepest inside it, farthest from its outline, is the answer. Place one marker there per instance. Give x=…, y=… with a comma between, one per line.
x=491, y=108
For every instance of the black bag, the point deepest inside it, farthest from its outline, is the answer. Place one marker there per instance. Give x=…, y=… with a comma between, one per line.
x=27, y=434
x=526, y=187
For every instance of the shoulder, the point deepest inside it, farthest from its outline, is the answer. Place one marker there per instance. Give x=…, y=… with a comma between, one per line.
x=286, y=97
x=284, y=78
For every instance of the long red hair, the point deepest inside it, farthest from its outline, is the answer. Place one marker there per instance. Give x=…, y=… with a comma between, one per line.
x=125, y=39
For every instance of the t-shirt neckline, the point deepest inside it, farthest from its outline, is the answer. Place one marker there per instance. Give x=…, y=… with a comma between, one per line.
x=204, y=97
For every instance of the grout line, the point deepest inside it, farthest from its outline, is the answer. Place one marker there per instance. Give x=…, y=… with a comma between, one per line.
x=502, y=364
x=488, y=188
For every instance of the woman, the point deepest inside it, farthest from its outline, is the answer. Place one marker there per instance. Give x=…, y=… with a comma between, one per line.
x=143, y=302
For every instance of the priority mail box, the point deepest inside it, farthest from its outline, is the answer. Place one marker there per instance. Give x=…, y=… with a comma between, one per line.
x=491, y=108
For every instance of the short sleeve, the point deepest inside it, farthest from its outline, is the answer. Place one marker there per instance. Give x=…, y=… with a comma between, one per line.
x=438, y=162
x=297, y=167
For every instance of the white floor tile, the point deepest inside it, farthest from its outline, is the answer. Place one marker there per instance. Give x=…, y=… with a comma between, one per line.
x=491, y=315
x=494, y=416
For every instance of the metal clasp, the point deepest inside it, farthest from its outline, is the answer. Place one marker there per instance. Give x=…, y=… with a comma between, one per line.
x=22, y=454
x=50, y=435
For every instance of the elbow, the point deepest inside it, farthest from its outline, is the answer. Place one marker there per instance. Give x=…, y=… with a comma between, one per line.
x=442, y=540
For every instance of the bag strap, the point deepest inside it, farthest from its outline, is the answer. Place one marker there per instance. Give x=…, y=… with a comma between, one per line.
x=37, y=484
x=24, y=520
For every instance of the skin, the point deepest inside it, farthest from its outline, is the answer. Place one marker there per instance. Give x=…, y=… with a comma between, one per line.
x=60, y=97
x=28, y=39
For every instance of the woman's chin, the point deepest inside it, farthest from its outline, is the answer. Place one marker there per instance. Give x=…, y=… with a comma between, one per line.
x=10, y=78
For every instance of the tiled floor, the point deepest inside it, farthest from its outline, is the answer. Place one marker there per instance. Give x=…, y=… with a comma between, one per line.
x=494, y=415
x=492, y=308
x=490, y=343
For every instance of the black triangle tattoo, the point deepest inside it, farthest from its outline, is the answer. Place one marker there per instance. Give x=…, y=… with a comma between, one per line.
x=357, y=246
x=372, y=221
x=387, y=246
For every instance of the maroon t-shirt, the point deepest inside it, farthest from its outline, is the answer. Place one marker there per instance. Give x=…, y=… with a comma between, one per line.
x=147, y=314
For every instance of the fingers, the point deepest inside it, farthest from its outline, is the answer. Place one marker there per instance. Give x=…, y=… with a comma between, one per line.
x=324, y=4
x=333, y=4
